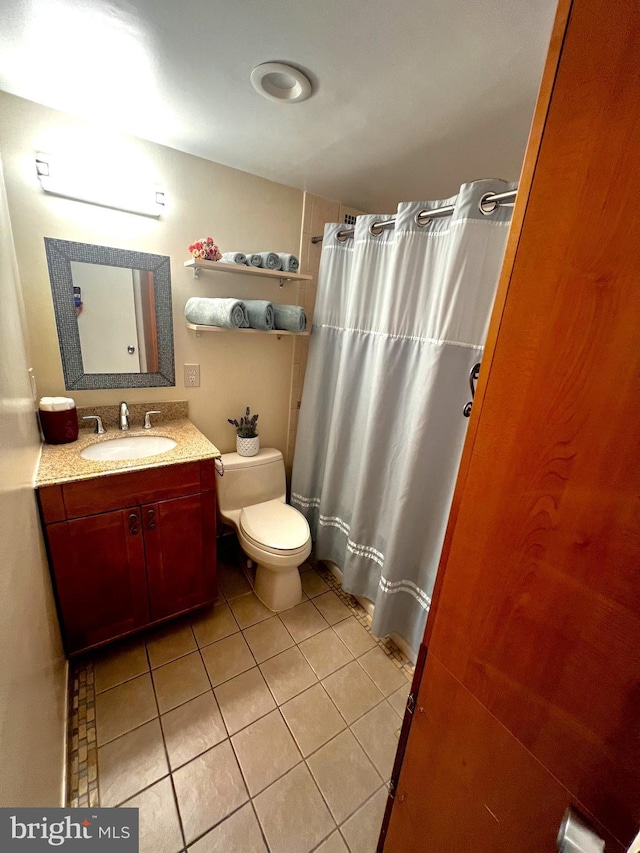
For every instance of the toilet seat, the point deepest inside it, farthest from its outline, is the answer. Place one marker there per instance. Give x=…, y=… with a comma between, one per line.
x=275, y=527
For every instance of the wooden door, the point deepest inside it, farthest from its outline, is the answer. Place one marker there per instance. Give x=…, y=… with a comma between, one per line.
x=100, y=576
x=530, y=696
x=179, y=538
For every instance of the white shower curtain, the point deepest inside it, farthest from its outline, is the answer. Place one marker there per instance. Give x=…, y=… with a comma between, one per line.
x=400, y=320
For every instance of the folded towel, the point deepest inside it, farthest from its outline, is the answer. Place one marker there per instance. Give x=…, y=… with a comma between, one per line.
x=227, y=313
x=233, y=258
x=290, y=318
x=269, y=260
x=288, y=263
x=260, y=313
x=254, y=260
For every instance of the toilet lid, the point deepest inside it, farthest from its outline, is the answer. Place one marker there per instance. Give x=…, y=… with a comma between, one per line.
x=275, y=525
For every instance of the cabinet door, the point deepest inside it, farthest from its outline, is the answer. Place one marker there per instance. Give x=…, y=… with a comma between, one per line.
x=180, y=544
x=100, y=576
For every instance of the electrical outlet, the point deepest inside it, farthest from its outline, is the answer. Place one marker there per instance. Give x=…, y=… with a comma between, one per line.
x=192, y=376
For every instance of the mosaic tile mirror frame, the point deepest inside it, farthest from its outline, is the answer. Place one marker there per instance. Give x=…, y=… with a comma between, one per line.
x=68, y=305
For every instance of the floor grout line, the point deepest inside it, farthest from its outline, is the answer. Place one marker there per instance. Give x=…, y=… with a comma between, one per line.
x=166, y=752
x=361, y=806
x=141, y=791
x=322, y=796
x=262, y=833
x=217, y=824
x=273, y=781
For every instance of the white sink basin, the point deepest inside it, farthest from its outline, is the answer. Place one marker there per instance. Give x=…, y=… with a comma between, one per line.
x=128, y=447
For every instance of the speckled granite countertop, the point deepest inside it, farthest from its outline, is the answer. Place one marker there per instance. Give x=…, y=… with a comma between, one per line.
x=62, y=463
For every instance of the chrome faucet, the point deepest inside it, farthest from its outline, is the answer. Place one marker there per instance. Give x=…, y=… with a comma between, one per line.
x=147, y=418
x=99, y=430
x=124, y=416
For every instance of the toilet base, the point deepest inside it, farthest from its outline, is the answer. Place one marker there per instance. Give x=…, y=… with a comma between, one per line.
x=278, y=589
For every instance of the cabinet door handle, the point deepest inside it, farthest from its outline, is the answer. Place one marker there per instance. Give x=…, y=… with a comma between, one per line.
x=152, y=524
x=133, y=524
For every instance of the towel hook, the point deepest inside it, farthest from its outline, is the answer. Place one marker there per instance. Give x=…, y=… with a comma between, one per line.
x=473, y=376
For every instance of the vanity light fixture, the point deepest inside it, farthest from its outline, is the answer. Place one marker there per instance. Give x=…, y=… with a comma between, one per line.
x=94, y=188
x=281, y=82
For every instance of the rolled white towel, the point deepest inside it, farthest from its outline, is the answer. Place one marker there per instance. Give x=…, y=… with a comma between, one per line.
x=233, y=258
x=254, y=260
x=260, y=314
x=269, y=260
x=226, y=313
x=290, y=318
x=289, y=263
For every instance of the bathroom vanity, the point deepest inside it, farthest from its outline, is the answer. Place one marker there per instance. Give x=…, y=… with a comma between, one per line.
x=129, y=544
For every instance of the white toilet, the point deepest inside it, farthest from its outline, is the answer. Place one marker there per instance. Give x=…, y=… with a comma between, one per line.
x=252, y=498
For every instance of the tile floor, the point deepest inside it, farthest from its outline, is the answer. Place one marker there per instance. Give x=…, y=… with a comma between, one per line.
x=239, y=730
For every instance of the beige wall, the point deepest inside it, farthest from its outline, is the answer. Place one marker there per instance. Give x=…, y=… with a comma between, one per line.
x=242, y=212
x=32, y=666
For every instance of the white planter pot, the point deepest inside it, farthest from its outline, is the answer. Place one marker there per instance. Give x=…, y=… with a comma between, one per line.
x=248, y=446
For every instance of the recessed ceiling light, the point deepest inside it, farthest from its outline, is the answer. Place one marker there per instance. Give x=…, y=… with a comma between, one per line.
x=280, y=82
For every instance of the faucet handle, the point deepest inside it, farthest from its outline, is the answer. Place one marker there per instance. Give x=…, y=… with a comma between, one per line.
x=147, y=419
x=100, y=430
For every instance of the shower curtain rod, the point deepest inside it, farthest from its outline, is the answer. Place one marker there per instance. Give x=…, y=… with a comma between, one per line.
x=491, y=200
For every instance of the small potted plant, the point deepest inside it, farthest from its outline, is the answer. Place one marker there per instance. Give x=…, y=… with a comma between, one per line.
x=247, y=438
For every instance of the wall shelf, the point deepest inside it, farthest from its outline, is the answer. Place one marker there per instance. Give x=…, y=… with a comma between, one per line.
x=279, y=332
x=243, y=269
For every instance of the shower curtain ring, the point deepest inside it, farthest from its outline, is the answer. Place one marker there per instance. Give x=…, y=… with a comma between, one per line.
x=420, y=220
x=487, y=207
x=375, y=230
x=341, y=236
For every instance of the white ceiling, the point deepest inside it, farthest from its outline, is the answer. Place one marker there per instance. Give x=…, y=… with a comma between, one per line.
x=410, y=97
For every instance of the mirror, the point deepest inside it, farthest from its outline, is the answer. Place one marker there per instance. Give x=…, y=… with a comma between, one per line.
x=113, y=314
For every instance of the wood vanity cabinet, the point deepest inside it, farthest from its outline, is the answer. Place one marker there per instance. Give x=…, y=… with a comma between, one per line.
x=129, y=550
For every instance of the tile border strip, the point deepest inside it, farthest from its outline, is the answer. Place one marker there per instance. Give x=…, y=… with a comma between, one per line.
x=386, y=644
x=82, y=750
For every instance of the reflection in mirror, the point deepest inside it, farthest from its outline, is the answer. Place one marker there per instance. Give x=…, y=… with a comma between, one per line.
x=116, y=318
x=113, y=313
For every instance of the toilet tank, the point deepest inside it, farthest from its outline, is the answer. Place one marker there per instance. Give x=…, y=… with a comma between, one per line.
x=251, y=480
